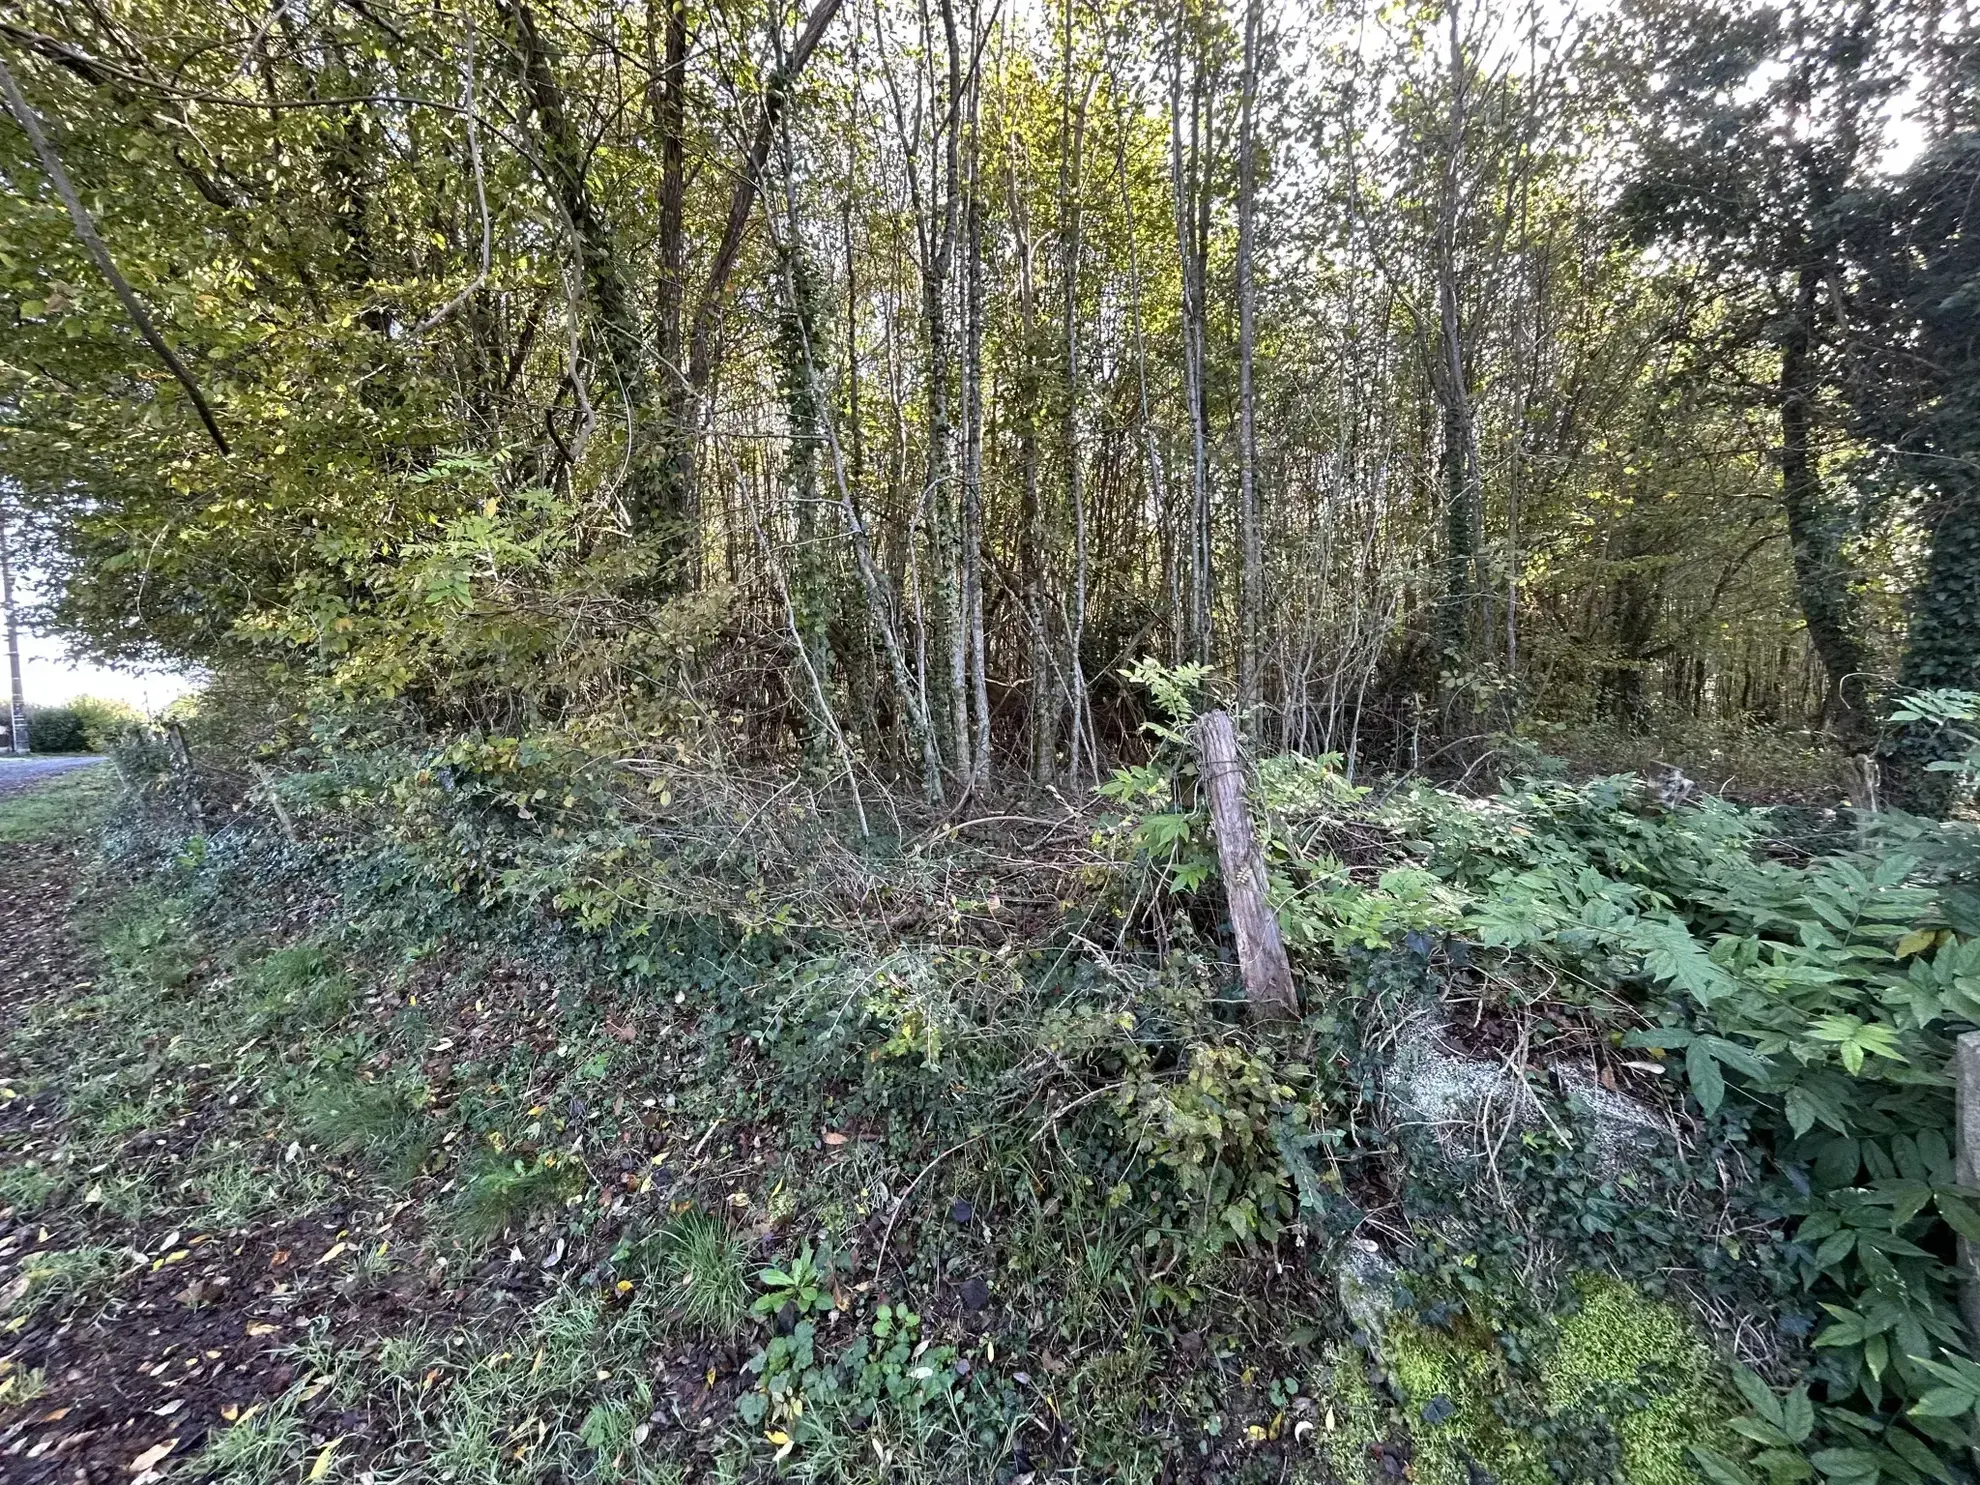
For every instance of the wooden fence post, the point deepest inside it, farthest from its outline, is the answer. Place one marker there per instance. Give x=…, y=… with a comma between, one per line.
x=1268, y=982
x=1966, y=1169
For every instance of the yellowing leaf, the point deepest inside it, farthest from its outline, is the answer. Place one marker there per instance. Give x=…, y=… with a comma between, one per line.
x=1916, y=942
x=324, y=1460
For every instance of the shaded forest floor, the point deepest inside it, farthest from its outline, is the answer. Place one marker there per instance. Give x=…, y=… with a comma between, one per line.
x=290, y=1190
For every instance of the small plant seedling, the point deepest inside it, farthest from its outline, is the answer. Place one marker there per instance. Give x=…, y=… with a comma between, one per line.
x=802, y=1285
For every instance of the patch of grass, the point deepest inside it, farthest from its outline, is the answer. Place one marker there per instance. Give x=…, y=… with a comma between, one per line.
x=130, y=1198
x=66, y=807
x=706, y=1267
x=148, y=945
x=121, y=1119
x=264, y=1446
x=65, y=1279
x=298, y=988
x=20, y=1384
x=380, y=1123
x=505, y=1193
x=27, y=1187
x=235, y=1192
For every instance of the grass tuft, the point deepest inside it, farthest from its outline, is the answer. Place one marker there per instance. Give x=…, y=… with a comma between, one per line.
x=507, y=1193
x=706, y=1266
x=380, y=1123
x=65, y=1279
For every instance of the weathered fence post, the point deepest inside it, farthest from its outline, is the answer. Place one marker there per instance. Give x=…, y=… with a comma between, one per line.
x=1966, y=1169
x=1268, y=982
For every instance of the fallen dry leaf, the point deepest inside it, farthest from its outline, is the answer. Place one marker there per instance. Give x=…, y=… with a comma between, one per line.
x=833, y=1137
x=152, y=1455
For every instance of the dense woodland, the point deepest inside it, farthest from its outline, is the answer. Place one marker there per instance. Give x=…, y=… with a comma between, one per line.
x=884, y=379
x=979, y=741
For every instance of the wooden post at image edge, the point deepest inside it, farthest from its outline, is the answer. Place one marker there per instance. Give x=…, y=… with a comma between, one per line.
x=1966, y=1124
x=1268, y=982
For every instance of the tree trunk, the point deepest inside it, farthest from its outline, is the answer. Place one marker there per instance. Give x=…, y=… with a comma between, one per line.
x=1182, y=175
x=1823, y=577
x=17, y=723
x=1072, y=127
x=1251, y=576
x=1942, y=650
x=973, y=296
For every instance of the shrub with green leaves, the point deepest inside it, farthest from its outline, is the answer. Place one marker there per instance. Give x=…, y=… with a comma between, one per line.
x=1821, y=999
x=1808, y=1006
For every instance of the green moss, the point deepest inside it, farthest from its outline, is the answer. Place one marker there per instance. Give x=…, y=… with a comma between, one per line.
x=1449, y=1382
x=1609, y=1342
x=1352, y=1419
x=1625, y=1388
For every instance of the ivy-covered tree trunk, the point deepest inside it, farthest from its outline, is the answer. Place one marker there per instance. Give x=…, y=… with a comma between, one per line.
x=812, y=591
x=1942, y=651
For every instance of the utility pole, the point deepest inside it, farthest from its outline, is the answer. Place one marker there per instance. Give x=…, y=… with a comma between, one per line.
x=17, y=728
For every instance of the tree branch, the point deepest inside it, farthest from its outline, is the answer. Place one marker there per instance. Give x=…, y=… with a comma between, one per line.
x=30, y=123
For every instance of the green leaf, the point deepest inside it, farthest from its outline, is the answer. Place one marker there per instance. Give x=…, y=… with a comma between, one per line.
x=1915, y=1452
x=1720, y=1470
x=1708, y=1085
x=1960, y=1217
x=1944, y=1402
x=1807, y=1104
x=1846, y=1464
x=1759, y=1396
x=1797, y=1415
x=1672, y=955
x=1838, y=1162
x=1761, y=1432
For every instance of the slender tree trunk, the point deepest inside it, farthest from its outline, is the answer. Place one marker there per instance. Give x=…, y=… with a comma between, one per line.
x=1451, y=377
x=1072, y=126
x=973, y=446
x=1044, y=698
x=668, y=107
x=1182, y=176
x=1158, y=499
x=1251, y=579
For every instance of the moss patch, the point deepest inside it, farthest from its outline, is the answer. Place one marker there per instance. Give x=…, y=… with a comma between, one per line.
x=1625, y=1387
x=1458, y=1393
x=1619, y=1338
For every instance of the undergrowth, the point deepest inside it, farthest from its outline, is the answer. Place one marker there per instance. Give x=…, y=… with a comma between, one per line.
x=1628, y=1114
